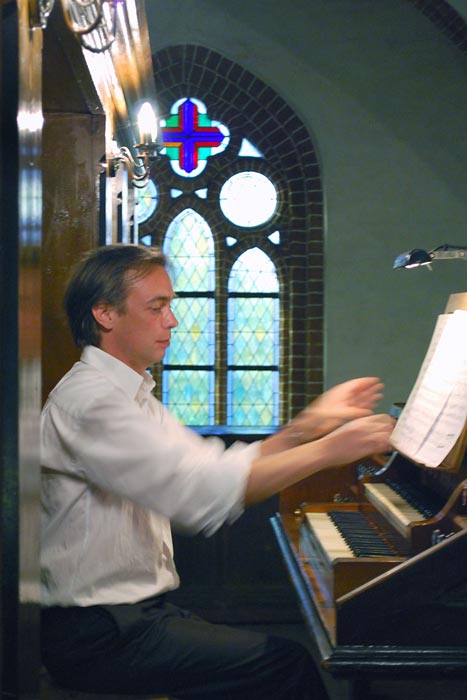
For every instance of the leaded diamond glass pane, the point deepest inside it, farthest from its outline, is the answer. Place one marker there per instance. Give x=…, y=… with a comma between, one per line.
x=193, y=341
x=253, y=331
x=189, y=246
x=253, y=271
x=189, y=395
x=251, y=398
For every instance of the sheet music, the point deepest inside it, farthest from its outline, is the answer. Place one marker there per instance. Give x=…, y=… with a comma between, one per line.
x=436, y=410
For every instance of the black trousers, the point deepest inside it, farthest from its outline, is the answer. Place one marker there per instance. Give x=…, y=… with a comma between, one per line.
x=156, y=647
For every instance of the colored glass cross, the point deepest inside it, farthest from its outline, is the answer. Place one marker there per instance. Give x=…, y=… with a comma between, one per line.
x=185, y=133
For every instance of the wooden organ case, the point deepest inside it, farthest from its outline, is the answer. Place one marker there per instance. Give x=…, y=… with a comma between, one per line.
x=377, y=554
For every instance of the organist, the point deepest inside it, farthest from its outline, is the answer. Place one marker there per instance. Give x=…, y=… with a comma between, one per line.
x=118, y=470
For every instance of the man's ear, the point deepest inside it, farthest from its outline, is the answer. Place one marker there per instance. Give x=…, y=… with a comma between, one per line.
x=104, y=315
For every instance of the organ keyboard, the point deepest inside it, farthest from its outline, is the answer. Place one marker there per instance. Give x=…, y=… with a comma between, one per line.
x=377, y=554
x=389, y=501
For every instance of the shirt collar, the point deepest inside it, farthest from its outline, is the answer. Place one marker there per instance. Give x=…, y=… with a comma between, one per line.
x=132, y=383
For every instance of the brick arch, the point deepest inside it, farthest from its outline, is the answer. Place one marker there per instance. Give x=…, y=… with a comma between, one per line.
x=446, y=18
x=250, y=108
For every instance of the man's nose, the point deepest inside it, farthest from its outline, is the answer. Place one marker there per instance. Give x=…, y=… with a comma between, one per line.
x=170, y=320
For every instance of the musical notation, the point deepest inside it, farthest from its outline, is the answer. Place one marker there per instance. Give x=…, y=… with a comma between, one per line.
x=436, y=410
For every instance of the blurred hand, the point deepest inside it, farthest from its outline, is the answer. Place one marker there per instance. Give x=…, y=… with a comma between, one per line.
x=355, y=398
x=275, y=469
x=359, y=438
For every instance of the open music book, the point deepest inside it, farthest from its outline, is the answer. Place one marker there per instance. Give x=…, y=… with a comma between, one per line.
x=436, y=411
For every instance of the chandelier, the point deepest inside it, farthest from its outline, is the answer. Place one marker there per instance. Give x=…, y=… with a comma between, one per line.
x=93, y=22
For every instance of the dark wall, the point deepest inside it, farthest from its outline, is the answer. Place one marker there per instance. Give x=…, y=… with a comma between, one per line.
x=8, y=337
x=20, y=243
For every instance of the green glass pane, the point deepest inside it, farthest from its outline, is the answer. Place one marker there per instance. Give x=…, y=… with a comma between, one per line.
x=188, y=394
x=252, y=335
x=193, y=341
x=189, y=246
x=252, y=272
x=252, y=398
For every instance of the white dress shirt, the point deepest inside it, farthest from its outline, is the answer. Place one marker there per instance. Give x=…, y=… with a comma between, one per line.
x=117, y=469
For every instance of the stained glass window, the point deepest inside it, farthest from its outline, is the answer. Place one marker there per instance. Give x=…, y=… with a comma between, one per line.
x=253, y=272
x=188, y=382
x=145, y=201
x=190, y=247
x=248, y=199
x=223, y=364
x=253, y=341
x=189, y=137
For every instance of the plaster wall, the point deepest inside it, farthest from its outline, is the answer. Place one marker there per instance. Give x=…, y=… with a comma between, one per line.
x=382, y=93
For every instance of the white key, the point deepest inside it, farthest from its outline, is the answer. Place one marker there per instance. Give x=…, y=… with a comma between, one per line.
x=328, y=535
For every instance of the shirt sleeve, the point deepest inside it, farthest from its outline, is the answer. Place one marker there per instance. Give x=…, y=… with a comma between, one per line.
x=152, y=460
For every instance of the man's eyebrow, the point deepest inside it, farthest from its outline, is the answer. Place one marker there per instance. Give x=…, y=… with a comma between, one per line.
x=160, y=298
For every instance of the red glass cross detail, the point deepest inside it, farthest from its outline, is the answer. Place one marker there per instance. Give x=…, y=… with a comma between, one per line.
x=189, y=136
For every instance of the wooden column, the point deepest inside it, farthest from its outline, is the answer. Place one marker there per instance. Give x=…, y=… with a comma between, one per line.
x=73, y=144
x=71, y=225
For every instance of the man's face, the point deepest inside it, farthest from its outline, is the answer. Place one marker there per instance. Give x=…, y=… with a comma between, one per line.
x=140, y=335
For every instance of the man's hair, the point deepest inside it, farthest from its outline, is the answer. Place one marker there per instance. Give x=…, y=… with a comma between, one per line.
x=105, y=275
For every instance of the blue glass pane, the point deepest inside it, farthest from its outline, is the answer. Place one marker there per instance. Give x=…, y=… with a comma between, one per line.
x=189, y=395
x=252, y=399
x=189, y=246
x=193, y=341
x=253, y=271
x=253, y=331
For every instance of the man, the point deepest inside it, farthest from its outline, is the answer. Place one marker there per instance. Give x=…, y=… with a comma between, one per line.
x=118, y=470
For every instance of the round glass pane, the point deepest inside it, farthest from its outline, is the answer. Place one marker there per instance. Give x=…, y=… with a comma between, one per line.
x=145, y=201
x=248, y=199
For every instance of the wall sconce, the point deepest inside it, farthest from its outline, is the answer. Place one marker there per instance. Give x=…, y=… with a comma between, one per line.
x=418, y=257
x=138, y=165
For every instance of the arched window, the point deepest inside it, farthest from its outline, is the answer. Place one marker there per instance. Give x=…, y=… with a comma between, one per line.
x=230, y=377
x=241, y=222
x=253, y=342
x=188, y=377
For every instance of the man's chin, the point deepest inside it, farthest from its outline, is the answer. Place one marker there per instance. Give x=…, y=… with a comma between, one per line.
x=157, y=360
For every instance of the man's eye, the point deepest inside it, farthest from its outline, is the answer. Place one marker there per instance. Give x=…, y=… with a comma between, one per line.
x=156, y=308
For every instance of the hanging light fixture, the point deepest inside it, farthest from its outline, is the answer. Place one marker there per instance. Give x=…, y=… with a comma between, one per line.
x=92, y=21
x=114, y=38
x=39, y=11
